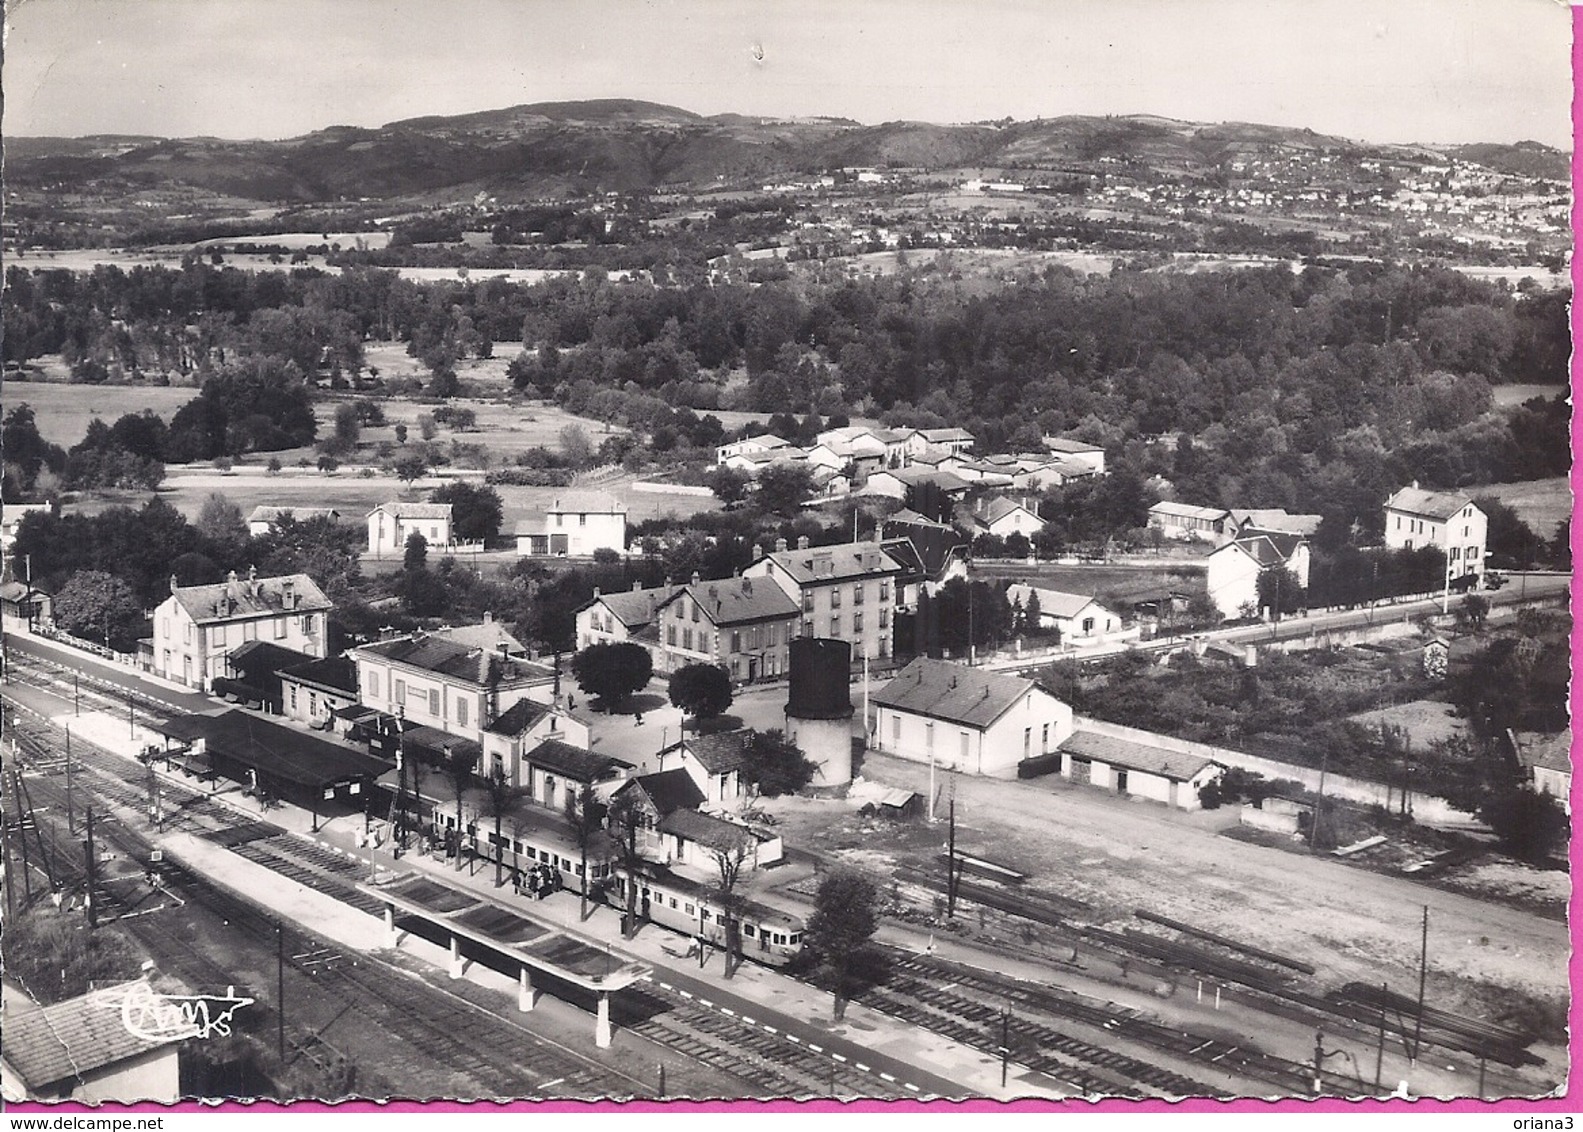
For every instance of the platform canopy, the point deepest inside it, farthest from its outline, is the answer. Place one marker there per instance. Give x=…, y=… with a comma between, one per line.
x=531, y=942
x=283, y=753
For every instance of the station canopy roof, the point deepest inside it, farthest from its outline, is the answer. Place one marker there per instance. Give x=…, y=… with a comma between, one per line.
x=272, y=749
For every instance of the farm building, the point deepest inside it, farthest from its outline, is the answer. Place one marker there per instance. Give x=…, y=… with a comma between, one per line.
x=1137, y=770
x=967, y=719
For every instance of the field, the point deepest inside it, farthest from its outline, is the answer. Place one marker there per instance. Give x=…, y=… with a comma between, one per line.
x=1542, y=504
x=1425, y=721
x=1131, y=582
x=63, y=411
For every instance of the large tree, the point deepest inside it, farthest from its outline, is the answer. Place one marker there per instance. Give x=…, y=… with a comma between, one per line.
x=476, y=512
x=783, y=489
x=775, y=766
x=844, y=919
x=703, y=691
x=612, y=672
x=1529, y=825
x=97, y=606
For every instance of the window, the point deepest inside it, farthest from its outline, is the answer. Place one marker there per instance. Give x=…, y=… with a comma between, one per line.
x=884, y=646
x=857, y=624
x=461, y=712
x=313, y=704
x=582, y=520
x=895, y=729
x=736, y=640
x=560, y=520
x=1027, y=741
x=250, y=631
x=772, y=635
x=164, y=626
x=1045, y=739
x=688, y=908
x=964, y=741
x=434, y=534
x=280, y=628
x=373, y=684
x=807, y=628
x=695, y=612
x=401, y=692
x=434, y=701
x=884, y=591
x=307, y=624
x=835, y=598
x=884, y=618
x=186, y=633
x=857, y=594
x=687, y=638
x=835, y=627
x=736, y=668
x=670, y=633
x=807, y=601
x=928, y=736
x=294, y=697
x=1088, y=624
x=1456, y=552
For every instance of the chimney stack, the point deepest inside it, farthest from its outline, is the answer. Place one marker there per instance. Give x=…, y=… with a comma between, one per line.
x=802, y=542
x=758, y=552
x=636, y=586
x=596, y=591
x=780, y=546
x=489, y=617
x=173, y=584
x=747, y=587
x=288, y=594
x=696, y=577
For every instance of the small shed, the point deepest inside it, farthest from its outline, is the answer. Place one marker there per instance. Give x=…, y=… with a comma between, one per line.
x=82, y=1050
x=1137, y=769
x=23, y=605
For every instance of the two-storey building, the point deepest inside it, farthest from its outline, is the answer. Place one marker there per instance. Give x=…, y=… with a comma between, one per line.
x=744, y=625
x=196, y=627
x=576, y=524
x=846, y=592
x=1447, y=519
x=391, y=524
x=434, y=682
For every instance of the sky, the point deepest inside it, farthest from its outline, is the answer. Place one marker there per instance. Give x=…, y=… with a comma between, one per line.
x=1433, y=71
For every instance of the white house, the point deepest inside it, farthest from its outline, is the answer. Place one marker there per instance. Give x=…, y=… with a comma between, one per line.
x=576, y=524
x=1188, y=522
x=1136, y=769
x=1447, y=519
x=1547, y=761
x=1078, y=450
x=846, y=591
x=1077, y=617
x=967, y=719
x=1005, y=517
x=434, y=682
x=752, y=445
x=391, y=524
x=197, y=626
x=1234, y=568
x=957, y=440
x=511, y=739
x=621, y=616
x=264, y=519
x=713, y=762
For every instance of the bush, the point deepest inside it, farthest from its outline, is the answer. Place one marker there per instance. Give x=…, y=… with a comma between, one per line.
x=529, y=477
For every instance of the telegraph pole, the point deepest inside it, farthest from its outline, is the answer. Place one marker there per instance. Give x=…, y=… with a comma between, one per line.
x=950, y=866
x=280, y=991
x=1379, y=1052
x=88, y=895
x=1005, y=1043
x=1423, y=972
x=71, y=813
x=23, y=820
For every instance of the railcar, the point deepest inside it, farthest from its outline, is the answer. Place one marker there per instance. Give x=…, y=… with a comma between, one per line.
x=769, y=935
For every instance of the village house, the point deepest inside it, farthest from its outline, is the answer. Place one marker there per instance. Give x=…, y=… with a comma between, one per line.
x=1078, y=618
x=196, y=627
x=1272, y=519
x=1187, y=522
x=967, y=719
x=265, y=519
x=743, y=625
x=390, y=525
x=81, y=1049
x=673, y=831
x=621, y=616
x=930, y=554
x=489, y=635
x=1449, y=520
x=752, y=445
x=1079, y=451
x=714, y=762
x=23, y=606
x=896, y=484
x=1234, y=568
x=1004, y=517
x=957, y=440
x=1138, y=770
x=845, y=591
x=1546, y=761
x=575, y=525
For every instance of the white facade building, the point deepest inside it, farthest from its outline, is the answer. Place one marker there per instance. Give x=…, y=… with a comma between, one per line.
x=1450, y=520
x=197, y=626
x=391, y=524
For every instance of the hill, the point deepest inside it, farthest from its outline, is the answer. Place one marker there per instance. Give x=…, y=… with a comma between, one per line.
x=630, y=145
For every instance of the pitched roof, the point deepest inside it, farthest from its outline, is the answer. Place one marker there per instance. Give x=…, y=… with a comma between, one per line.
x=274, y=749
x=911, y=518
x=817, y=564
x=434, y=653
x=485, y=635
x=1430, y=504
x=402, y=510
x=265, y=514
x=737, y=601
x=721, y=752
x=518, y=718
x=953, y=692
x=236, y=599
x=586, y=502
x=1277, y=519
x=265, y=658
x=943, y=435
x=1068, y=445
x=17, y=591
x=1135, y=756
x=926, y=550
x=707, y=830
x=574, y=762
x=1052, y=603
x=1188, y=511
x=669, y=790
x=998, y=508
x=912, y=477
x=337, y=672
x=71, y=1039
x=1551, y=752
x=633, y=608
x=1267, y=548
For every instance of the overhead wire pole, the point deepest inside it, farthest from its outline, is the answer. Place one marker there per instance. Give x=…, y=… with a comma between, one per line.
x=88, y=862
x=1423, y=973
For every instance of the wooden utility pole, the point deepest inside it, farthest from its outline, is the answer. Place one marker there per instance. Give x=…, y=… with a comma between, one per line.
x=88, y=896
x=1423, y=972
x=1379, y=1052
x=950, y=866
x=71, y=813
x=280, y=991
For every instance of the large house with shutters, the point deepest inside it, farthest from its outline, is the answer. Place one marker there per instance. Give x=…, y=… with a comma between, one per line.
x=743, y=625
x=845, y=592
x=391, y=524
x=576, y=524
x=197, y=627
x=1447, y=519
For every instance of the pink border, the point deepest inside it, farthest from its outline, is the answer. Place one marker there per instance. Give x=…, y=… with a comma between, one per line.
x=1559, y=1104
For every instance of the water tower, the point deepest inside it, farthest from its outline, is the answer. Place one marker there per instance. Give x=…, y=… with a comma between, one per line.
x=819, y=706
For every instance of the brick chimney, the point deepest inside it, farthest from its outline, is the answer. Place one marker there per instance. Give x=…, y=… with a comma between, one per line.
x=636, y=586
x=802, y=542
x=173, y=583
x=489, y=618
x=780, y=546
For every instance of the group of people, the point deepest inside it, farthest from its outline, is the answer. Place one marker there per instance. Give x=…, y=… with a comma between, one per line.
x=541, y=881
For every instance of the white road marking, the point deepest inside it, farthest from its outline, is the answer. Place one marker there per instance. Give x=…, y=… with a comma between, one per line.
x=793, y=1038
x=886, y=1077
x=862, y=1067
x=816, y=1049
x=706, y=1002
x=686, y=994
x=748, y=1020
x=726, y=1010
x=838, y=1056
x=910, y=1085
